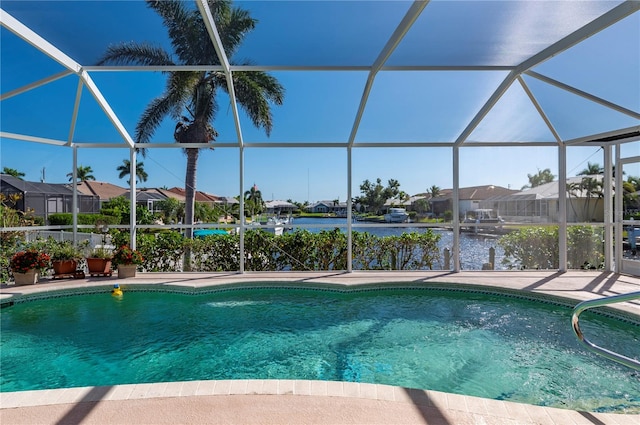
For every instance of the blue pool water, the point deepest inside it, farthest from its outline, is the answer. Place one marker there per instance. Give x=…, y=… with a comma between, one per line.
x=469, y=343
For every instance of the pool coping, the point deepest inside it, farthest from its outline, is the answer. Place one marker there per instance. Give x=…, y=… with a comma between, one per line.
x=571, y=288
x=432, y=406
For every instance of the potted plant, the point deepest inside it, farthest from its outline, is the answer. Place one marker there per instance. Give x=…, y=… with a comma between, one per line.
x=27, y=265
x=99, y=261
x=64, y=258
x=127, y=260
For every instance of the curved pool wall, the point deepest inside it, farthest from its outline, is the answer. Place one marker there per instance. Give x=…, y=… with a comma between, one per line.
x=571, y=292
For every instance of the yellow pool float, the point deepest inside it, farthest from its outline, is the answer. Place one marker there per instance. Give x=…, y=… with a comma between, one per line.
x=116, y=291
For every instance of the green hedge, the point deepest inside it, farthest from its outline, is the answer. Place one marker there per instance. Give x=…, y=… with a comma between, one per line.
x=537, y=248
x=298, y=250
x=66, y=219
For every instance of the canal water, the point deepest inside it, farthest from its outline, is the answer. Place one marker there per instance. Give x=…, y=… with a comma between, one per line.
x=474, y=249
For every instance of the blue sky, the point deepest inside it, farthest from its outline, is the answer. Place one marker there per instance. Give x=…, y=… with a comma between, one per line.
x=320, y=106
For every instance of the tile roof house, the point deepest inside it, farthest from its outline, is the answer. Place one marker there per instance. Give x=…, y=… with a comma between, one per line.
x=200, y=196
x=149, y=197
x=280, y=207
x=338, y=208
x=469, y=198
x=103, y=190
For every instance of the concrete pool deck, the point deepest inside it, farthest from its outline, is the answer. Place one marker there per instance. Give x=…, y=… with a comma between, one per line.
x=307, y=402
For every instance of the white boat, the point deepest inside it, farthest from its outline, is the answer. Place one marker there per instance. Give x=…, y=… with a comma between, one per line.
x=272, y=225
x=396, y=215
x=278, y=224
x=482, y=216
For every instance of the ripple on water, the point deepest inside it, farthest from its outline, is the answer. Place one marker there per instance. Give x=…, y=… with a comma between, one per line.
x=482, y=345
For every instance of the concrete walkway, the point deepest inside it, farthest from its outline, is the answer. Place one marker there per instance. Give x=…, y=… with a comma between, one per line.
x=306, y=402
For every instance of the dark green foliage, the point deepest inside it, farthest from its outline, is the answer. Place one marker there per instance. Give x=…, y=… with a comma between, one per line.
x=215, y=253
x=374, y=195
x=409, y=251
x=66, y=219
x=162, y=252
x=120, y=207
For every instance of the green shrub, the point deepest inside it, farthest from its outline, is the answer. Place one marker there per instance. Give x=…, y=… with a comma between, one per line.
x=215, y=253
x=531, y=248
x=585, y=247
x=299, y=250
x=538, y=248
x=66, y=219
x=408, y=251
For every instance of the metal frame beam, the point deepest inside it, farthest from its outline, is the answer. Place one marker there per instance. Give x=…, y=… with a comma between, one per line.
x=583, y=94
x=210, y=24
x=614, y=15
x=106, y=108
x=407, y=21
x=35, y=84
x=25, y=33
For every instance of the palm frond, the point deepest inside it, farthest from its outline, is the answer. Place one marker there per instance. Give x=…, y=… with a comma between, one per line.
x=233, y=26
x=124, y=168
x=135, y=53
x=255, y=91
x=180, y=87
x=151, y=119
x=204, y=102
x=186, y=31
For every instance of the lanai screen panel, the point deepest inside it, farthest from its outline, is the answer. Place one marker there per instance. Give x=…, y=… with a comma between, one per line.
x=357, y=73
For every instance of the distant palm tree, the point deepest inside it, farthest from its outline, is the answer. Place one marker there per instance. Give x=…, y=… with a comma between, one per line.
x=190, y=97
x=434, y=191
x=13, y=172
x=590, y=189
x=83, y=174
x=592, y=169
x=253, y=200
x=125, y=170
x=402, y=197
x=540, y=178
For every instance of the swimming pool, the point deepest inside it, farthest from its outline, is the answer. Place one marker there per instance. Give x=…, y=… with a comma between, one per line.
x=471, y=343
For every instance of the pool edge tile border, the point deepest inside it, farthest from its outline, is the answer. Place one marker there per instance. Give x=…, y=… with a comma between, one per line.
x=567, y=299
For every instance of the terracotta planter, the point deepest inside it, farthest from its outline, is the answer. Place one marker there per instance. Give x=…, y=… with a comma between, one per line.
x=28, y=278
x=126, y=270
x=99, y=266
x=64, y=266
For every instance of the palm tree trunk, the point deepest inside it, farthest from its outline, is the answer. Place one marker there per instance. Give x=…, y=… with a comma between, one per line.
x=190, y=195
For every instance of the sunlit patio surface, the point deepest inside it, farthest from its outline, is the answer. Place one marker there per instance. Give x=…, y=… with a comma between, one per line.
x=307, y=402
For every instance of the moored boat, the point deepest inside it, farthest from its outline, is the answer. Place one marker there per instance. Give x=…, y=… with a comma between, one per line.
x=484, y=220
x=396, y=215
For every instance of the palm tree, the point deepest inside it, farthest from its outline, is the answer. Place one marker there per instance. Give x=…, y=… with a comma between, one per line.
x=591, y=170
x=540, y=178
x=190, y=96
x=83, y=174
x=253, y=200
x=125, y=170
x=402, y=197
x=434, y=191
x=590, y=188
x=13, y=172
